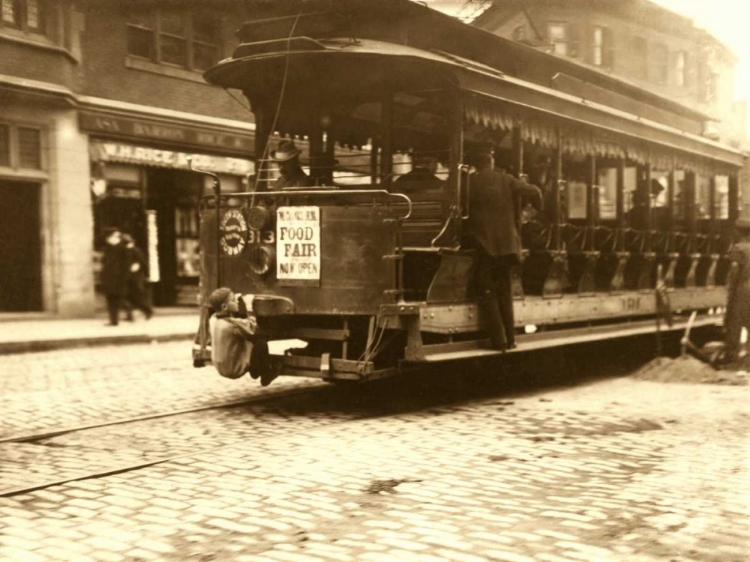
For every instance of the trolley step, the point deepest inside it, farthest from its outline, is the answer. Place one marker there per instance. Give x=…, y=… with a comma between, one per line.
x=557, y=338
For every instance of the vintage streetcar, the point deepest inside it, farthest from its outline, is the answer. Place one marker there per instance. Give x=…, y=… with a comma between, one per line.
x=372, y=270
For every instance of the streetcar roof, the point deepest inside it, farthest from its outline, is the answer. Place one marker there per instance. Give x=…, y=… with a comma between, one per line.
x=343, y=67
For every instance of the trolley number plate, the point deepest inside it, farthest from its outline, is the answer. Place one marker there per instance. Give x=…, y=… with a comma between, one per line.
x=258, y=237
x=298, y=245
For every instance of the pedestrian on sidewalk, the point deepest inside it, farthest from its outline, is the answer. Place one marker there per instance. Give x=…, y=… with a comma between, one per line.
x=114, y=276
x=235, y=349
x=136, y=291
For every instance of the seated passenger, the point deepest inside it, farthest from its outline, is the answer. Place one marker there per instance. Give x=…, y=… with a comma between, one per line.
x=422, y=174
x=286, y=157
x=235, y=349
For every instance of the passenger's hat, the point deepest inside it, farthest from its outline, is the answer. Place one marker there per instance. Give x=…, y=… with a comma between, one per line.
x=742, y=224
x=285, y=150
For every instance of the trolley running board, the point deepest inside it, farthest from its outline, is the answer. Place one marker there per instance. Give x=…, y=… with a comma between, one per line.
x=556, y=338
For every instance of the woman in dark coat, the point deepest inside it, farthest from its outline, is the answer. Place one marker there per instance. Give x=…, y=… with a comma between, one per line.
x=114, y=277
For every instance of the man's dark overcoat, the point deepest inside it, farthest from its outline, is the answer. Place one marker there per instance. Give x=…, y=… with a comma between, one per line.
x=115, y=270
x=492, y=204
x=737, y=314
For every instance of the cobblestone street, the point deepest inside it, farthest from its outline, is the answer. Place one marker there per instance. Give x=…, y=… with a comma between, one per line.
x=604, y=469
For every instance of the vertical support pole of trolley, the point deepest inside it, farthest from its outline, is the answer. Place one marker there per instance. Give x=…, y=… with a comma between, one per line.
x=671, y=189
x=734, y=197
x=690, y=209
x=386, y=135
x=620, y=205
x=262, y=135
x=316, y=152
x=518, y=144
x=557, y=194
x=375, y=147
x=591, y=204
x=455, y=159
x=217, y=196
x=713, y=216
x=649, y=211
x=329, y=156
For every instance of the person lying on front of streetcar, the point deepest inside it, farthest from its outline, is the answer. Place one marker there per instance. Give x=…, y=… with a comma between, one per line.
x=493, y=226
x=286, y=157
x=235, y=349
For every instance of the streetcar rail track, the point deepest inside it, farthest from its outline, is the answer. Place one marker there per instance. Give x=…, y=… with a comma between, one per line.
x=130, y=467
x=40, y=436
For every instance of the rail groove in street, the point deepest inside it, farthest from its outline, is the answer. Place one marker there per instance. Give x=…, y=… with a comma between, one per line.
x=32, y=437
x=124, y=468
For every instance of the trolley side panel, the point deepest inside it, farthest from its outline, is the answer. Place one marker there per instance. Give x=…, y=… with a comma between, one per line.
x=354, y=274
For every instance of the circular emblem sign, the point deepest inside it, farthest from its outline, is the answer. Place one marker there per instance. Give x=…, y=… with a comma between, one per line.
x=234, y=232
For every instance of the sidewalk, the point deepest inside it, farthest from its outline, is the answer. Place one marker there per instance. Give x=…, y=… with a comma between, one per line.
x=43, y=333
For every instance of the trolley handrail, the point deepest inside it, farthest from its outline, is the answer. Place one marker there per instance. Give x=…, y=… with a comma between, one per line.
x=317, y=193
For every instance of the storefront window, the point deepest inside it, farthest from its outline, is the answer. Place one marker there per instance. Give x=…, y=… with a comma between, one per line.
x=187, y=246
x=722, y=197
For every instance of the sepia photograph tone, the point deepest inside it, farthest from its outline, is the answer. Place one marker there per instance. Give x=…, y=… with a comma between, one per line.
x=374, y=280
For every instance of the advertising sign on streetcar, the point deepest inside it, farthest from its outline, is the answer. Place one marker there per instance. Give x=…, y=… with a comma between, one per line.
x=298, y=245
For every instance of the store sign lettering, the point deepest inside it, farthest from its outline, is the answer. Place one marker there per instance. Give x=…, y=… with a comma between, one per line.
x=117, y=152
x=145, y=129
x=298, y=243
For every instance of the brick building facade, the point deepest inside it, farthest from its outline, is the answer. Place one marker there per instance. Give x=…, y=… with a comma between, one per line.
x=636, y=40
x=100, y=107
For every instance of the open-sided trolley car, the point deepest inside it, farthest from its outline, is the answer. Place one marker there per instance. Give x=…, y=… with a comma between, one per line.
x=371, y=270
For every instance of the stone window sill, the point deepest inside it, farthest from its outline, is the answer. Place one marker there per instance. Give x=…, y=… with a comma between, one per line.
x=136, y=63
x=35, y=41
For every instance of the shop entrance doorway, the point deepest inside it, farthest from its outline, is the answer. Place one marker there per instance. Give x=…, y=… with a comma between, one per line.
x=174, y=197
x=20, y=247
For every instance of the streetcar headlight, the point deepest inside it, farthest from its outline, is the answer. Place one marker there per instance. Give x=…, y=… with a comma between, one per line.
x=261, y=259
x=259, y=218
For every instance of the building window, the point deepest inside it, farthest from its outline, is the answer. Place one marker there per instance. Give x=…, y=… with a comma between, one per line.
x=21, y=147
x=640, y=55
x=29, y=148
x=681, y=69
x=27, y=15
x=661, y=63
x=597, y=44
x=141, y=36
x=175, y=38
x=4, y=145
x=602, y=51
x=558, y=36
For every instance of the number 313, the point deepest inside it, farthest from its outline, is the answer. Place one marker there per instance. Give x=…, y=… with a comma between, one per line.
x=258, y=237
